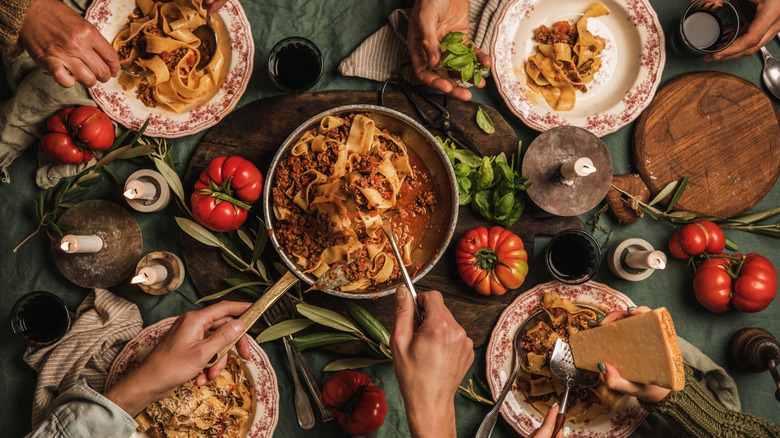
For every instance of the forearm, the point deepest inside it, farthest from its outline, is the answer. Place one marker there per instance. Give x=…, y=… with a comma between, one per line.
x=696, y=413
x=12, y=13
x=430, y=422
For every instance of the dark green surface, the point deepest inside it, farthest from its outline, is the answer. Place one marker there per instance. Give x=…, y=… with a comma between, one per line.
x=338, y=27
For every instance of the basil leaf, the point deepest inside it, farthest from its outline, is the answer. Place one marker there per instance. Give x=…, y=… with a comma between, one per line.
x=467, y=72
x=484, y=175
x=453, y=37
x=477, y=77
x=485, y=123
x=481, y=205
x=468, y=157
x=462, y=169
x=464, y=190
x=446, y=60
x=514, y=215
x=459, y=62
x=457, y=48
x=505, y=205
x=505, y=172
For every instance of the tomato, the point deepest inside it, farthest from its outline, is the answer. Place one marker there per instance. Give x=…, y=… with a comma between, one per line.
x=491, y=261
x=696, y=238
x=75, y=131
x=224, y=193
x=712, y=285
x=756, y=285
x=359, y=406
x=63, y=150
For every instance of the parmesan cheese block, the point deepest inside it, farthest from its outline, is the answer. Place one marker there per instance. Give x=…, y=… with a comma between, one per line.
x=643, y=348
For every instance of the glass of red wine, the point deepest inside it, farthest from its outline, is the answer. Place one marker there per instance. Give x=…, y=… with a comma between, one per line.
x=573, y=256
x=295, y=64
x=40, y=318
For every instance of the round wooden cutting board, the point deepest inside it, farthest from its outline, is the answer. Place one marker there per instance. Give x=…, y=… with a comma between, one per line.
x=719, y=130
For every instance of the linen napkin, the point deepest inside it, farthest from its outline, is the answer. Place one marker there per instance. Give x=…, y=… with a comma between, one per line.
x=103, y=323
x=379, y=56
x=36, y=96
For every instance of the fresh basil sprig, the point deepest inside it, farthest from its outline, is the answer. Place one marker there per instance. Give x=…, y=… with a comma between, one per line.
x=484, y=121
x=459, y=56
x=491, y=185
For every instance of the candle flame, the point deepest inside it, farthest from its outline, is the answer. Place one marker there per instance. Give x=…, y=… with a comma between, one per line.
x=65, y=246
x=131, y=194
x=140, y=278
x=588, y=169
x=660, y=263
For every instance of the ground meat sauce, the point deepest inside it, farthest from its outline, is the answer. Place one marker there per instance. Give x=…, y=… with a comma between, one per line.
x=560, y=32
x=308, y=233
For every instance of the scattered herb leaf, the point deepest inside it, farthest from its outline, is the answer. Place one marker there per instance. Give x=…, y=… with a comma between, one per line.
x=484, y=121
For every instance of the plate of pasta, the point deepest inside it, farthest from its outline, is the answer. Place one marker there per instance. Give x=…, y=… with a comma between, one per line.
x=591, y=64
x=176, y=92
x=242, y=402
x=592, y=411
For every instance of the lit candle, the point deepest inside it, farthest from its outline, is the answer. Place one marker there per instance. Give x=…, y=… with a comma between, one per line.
x=646, y=259
x=151, y=275
x=137, y=189
x=577, y=168
x=81, y=244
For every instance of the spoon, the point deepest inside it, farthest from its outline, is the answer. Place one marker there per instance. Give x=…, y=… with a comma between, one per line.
x=771, y=73
x=489, y=422
x=387, y=227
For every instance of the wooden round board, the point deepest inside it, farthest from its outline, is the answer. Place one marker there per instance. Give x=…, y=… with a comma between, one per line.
x=719, y=130
x=258, y=129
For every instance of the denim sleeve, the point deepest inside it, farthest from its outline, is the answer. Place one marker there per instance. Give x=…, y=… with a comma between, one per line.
x=83, y=412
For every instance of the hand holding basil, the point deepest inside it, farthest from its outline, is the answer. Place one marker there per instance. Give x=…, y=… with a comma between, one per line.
x=491, y=185
x=458, y=55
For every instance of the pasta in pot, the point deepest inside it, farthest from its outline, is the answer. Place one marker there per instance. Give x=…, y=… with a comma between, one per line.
x=567, y=59
x=537, y=382
x=221, y=408
x=159, y=39
x=330, y=192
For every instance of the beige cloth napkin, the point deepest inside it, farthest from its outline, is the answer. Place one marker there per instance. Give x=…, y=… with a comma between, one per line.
x=103, y=323
x=711, y=375
x=36, y=96
x=378, y=56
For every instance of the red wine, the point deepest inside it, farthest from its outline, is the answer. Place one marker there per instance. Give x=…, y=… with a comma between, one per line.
x=296, y=66
x=573, y=256
x=40, y=318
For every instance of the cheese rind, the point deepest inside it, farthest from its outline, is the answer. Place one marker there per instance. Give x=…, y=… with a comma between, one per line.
x=643, y=348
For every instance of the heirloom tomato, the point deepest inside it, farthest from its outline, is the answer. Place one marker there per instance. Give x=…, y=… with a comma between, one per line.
x=75, y=132
x=712, y=284
x=696, y=238
x=491, y=261
x=753, y=290
x=224, y=193
x=756, y=285
x=359, y=406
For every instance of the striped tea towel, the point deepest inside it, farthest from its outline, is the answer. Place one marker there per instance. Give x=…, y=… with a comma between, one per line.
x=102, y=325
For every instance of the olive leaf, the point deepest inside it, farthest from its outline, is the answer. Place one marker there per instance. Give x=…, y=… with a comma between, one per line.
x=677, y=194
x=198, y=232
x=327, y=318
x=222, y=293
x=663, y=193
x=282, y=329
x=373, y=328
x=171, y=177
x=752, y=217
x=319, y=339
x=731, y=245
x=353, y=363
x=484, y=121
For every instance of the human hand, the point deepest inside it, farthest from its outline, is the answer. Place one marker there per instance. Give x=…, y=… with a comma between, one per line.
x=547, y=427
x=429, y=363
x=761, y=30
x=213, y=6
x=430, y=21
x=66, y=45
x=181, y=354
x=612, y=378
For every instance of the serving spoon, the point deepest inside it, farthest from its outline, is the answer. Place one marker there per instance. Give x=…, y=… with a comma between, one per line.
x=771, y=73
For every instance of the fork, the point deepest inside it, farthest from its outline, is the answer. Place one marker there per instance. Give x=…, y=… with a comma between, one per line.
x=288, y=311
x=273, y=315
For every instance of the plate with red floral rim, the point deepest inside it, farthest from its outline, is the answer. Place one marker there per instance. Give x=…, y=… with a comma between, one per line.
x=632, y=62
x=522, y=416
x=235, y=39
x=261, y=373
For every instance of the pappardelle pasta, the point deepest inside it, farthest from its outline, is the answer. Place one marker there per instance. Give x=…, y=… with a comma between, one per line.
x=567, y=59
x=537, y=382
x=159, y=38
x=221, y=408
x=331, y=190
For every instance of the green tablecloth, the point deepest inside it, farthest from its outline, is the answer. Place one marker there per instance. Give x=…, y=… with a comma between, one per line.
x=338, y=27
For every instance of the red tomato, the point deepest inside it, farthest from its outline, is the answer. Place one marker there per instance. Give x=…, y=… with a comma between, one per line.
x=694, y=239
x=91, y=127
x=712, y=286
x=716, y=240
x=674, y=247
x=63, y=150
x=359, y=406
x=224, y=193
x=491, y=261
x=59, y=121
x=756, y=285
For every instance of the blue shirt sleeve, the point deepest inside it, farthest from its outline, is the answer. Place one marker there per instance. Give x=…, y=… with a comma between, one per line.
x=83, y=412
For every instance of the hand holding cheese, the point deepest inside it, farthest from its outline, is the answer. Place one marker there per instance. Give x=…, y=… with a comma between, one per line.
x=642, y=349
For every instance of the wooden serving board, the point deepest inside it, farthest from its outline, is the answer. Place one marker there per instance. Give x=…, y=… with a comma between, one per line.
x=256, y=131
x=719, y=130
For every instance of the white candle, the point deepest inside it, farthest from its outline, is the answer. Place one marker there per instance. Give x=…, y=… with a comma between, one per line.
x=81, y=244
x=137, y=189
x=151, y=274
x=577, y=168
x=646, y=259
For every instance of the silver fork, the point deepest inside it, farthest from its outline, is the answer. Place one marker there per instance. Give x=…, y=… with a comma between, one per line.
x=288, y=311
x=272, y=316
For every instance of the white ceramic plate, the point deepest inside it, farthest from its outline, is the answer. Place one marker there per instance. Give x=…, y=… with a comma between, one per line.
x=632, y=62
x=236, y=42
x=261, y=373
x=523, y=417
